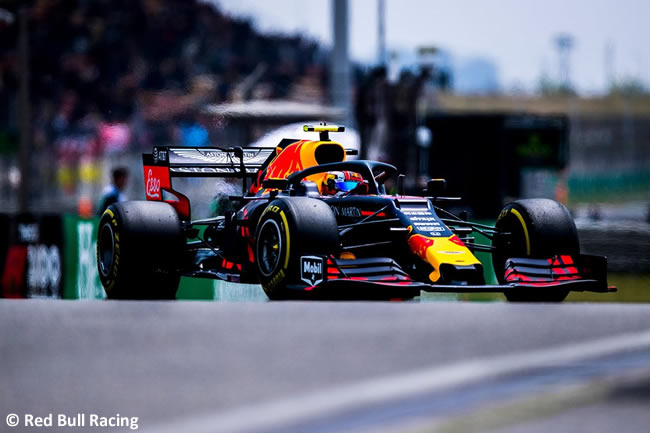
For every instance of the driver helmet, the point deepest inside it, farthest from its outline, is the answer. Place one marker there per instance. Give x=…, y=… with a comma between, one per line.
x=340, y=182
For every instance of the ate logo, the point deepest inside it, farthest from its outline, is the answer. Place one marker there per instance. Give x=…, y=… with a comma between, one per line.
x=152, y=186
x=311, y=269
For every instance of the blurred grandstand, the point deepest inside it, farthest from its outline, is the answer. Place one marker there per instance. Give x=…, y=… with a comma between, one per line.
x=110, y=78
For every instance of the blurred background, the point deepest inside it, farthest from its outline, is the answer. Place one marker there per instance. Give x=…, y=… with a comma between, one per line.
x=510, y=100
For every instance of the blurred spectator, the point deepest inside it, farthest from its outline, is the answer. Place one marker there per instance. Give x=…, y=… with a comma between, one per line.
x=113, y=192
x=112, y=78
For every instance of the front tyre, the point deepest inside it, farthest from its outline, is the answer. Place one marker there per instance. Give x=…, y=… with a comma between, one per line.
x=289, y=229
x=538, y=228
x=139, y=245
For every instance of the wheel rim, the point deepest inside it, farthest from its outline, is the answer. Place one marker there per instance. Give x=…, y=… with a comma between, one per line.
x=269, y=246
x=106, y=247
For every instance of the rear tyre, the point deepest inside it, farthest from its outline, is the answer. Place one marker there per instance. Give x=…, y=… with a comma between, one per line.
x=288, y=229
x=540, y=228
x=139, y=245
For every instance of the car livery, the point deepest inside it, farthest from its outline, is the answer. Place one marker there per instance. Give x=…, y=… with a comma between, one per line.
x=311, y=224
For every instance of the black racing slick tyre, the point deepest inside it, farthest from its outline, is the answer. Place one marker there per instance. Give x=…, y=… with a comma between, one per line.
x=535, y=228
x=288, y=230
x=139, y=245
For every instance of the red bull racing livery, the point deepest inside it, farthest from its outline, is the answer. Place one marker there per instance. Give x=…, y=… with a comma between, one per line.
x=313, y=225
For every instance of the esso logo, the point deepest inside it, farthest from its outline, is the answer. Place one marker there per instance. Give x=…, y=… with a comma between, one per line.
x=152, y=186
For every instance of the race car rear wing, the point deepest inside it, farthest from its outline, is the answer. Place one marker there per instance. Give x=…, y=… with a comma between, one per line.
x=166, y=162
x=209, y=161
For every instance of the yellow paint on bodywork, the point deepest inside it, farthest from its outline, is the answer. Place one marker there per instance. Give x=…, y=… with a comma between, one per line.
x=439, y=251
x=308, y=158
x=298, y=156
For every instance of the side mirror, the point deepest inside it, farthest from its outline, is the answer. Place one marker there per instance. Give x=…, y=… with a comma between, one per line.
x=280, y=184
x=435, y=187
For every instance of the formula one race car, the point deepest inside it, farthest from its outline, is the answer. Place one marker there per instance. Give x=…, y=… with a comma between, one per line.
x=315, y=226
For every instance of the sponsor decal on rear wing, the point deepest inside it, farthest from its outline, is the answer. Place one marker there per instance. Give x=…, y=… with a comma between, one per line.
x=211, y=162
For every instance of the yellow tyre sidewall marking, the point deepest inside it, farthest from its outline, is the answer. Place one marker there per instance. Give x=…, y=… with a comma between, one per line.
x=523, y=224
x=116, y=250
x=288, y=239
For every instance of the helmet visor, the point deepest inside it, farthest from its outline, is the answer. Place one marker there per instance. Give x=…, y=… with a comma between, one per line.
x=347, y=185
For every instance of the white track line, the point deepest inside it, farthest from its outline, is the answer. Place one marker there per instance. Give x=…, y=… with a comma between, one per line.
x=263, y=416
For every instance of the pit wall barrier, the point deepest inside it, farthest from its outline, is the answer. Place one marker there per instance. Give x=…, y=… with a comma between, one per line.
x=54, y=256
x=31, y=256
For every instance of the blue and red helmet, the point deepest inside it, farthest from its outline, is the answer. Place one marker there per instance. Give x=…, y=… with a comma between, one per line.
x=340, y=181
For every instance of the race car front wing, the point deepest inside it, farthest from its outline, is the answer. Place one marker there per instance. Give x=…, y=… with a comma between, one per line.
x=383, y=278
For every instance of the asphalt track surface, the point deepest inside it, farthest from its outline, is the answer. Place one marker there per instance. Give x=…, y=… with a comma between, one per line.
x=328, y=367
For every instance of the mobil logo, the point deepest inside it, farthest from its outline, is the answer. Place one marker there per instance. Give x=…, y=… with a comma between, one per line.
x=311, y=269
